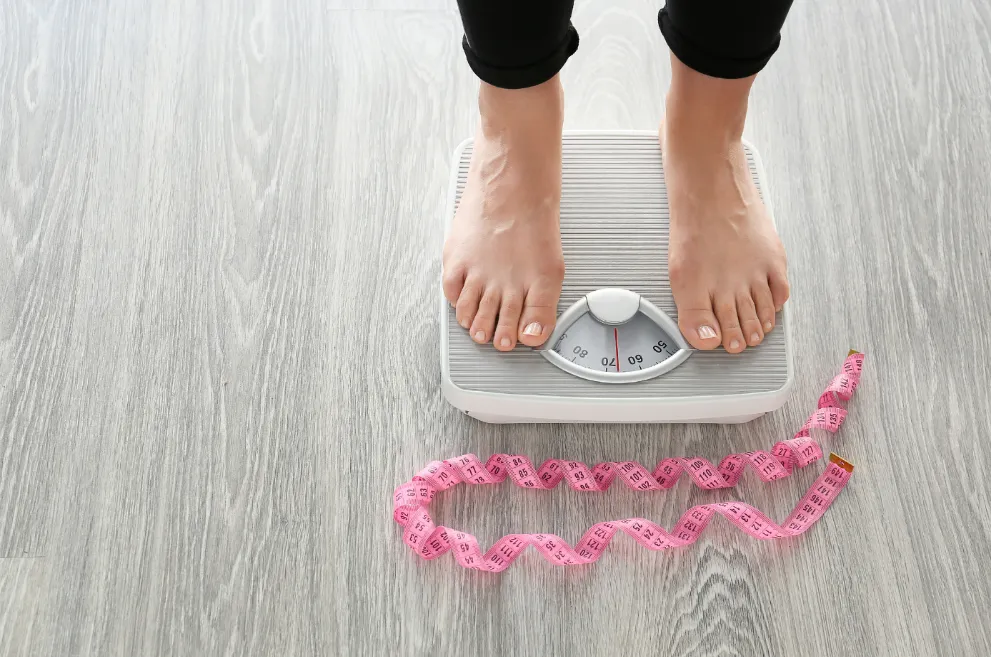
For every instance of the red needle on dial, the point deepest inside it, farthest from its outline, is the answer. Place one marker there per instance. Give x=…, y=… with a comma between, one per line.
x=615, y=335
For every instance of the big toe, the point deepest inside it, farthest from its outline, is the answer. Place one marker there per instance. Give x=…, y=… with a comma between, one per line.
x=696, y=320
x=539, y=312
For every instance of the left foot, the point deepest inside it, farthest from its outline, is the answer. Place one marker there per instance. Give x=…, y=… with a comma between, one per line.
x=725, y=261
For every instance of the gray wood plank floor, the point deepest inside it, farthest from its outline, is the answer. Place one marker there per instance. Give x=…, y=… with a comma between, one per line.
x=219, y=258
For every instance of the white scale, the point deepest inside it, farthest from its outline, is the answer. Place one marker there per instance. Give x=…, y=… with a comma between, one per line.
x=616, y=353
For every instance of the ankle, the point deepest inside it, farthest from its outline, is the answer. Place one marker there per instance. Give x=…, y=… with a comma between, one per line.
x=532, y=111
x=705, y=110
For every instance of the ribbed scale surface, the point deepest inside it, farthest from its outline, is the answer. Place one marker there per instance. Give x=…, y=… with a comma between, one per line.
x=614, y=229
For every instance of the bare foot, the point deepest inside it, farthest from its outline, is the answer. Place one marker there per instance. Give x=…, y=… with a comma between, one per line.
x=503, y=265
x=726, y=263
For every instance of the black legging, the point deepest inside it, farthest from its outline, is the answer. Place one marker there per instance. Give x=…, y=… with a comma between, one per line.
x=520, y=43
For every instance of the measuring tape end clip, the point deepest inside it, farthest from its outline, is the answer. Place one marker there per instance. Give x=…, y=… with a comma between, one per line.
x=840, y=461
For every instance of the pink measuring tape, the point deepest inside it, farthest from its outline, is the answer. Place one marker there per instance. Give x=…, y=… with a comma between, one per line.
x=430, y=541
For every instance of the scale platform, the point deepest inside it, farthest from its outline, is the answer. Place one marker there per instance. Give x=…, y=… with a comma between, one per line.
x=616, y=354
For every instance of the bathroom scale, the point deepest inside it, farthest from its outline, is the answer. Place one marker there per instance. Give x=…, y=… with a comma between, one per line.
x=616, y=353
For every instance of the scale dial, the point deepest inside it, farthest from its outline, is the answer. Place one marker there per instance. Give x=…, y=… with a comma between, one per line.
x=613, y=335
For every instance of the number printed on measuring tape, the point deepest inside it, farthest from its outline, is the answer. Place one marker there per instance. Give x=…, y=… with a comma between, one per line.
x=430, y=541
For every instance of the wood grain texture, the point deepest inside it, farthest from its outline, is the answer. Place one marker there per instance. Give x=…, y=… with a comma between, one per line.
x=219, y=260
x=23, y=586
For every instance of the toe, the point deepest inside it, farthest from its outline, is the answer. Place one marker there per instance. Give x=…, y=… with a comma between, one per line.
x=467, y=305
x=509, y=319
x=453, y=282
x=485, y=319
x=749, y=323
x=778, y=283
x=539, y=313
x=696, y=320
x=764, y=302
x=729, y=322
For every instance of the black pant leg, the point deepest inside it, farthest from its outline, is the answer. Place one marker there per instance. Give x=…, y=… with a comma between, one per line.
x=723, y=38
x=514, y=44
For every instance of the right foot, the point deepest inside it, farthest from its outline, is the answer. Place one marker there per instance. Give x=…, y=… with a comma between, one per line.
x=503, y=265
x=726, y=263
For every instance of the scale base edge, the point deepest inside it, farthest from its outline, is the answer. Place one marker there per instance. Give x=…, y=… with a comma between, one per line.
x=491, y=408
x=511, y=419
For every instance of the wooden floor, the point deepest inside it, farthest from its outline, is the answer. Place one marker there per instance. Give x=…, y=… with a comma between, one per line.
x=219, y=258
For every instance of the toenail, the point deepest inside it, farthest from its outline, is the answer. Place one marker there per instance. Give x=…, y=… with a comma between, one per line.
x=464, y=323
x=480, y=336
x=767, y=326
x=533, y=328
x=706, y=332
x=754, y=338
x=505, y=342
x=734, y=344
